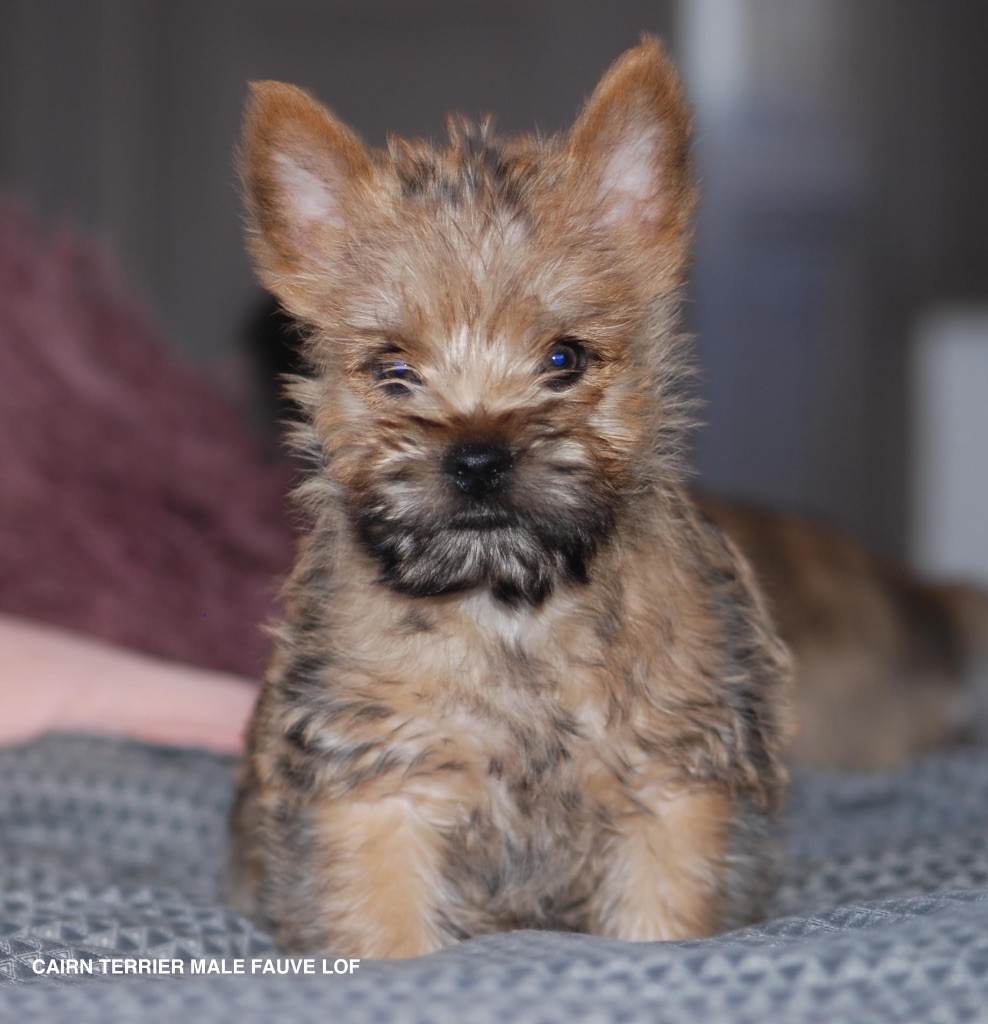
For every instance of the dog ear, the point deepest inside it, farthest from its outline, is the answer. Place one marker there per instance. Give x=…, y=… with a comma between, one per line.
x=303, y=173
x=629, y=156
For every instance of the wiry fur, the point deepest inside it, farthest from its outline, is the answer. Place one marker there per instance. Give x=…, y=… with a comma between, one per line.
x=563, y=707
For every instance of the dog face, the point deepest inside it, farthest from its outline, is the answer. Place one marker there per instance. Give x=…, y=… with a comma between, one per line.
x=495, y=371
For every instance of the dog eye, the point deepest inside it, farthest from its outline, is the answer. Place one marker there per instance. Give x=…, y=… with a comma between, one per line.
x=394, y=376
x=564, y=364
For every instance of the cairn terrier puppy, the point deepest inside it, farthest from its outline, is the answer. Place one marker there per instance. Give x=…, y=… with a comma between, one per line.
x=521, y=682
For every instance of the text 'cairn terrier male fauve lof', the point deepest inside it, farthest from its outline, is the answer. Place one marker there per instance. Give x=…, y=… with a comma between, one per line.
x=521, y=682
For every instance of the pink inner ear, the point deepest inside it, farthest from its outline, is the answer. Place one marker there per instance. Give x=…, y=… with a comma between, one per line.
x=631, y=186
x=310, y=199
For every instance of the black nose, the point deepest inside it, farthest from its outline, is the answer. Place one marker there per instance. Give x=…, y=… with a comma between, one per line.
x=478, y=469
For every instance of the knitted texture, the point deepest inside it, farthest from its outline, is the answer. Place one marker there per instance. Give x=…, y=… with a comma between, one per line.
x=111, y=848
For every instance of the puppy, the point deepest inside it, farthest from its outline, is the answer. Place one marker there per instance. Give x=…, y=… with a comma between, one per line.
x=521, y=682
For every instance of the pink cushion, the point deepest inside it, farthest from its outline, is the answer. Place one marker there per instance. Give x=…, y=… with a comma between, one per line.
x=134, y=503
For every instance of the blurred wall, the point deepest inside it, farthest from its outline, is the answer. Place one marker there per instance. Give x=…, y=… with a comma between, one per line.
x=843, y=149
x=950, y=416
x=125, y=113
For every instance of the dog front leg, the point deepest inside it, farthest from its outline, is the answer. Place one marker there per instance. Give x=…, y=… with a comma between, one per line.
x=379, y=863
x=663, y=866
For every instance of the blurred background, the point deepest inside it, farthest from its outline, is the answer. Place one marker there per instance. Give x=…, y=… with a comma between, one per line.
x=840, y=292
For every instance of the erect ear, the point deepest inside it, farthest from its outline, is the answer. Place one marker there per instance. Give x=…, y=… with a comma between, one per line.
x=303, y=175
x=630, y=152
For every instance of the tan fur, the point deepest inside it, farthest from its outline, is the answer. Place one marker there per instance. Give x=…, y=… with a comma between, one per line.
x=572, y=718
x=664, y=865
x=384, y=871
x=887, y=665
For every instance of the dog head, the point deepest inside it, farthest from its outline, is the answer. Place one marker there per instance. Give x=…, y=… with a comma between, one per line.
x=496, y=376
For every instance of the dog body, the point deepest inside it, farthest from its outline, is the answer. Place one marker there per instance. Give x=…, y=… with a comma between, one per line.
x=888, y=665
x=521, y=682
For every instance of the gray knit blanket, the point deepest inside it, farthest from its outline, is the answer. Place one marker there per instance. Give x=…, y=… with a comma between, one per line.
x=110, y=854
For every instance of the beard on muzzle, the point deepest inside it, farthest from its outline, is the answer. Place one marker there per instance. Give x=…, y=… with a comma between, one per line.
x=521, y=563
